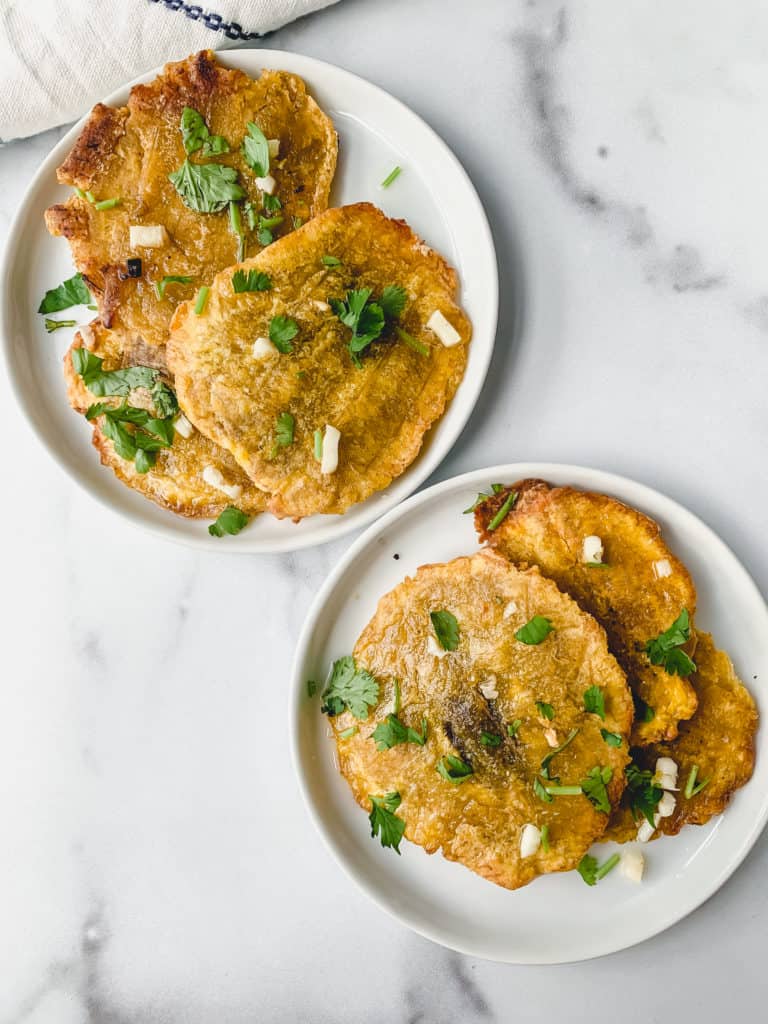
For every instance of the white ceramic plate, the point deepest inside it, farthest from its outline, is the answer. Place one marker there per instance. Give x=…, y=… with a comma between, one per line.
x=376, y=132
x=557, y=918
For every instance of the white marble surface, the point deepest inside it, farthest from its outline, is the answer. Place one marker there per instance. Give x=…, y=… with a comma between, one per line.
x=156, y=864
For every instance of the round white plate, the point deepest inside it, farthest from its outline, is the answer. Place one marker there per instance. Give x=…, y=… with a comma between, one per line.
x=557, y=918
x=376, y=132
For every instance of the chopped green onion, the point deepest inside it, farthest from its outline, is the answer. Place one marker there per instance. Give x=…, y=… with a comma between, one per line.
x=160, y=286
x=394, y=173
x=90, y=306
x=331, y=261
x=237, y=229
x=90, y=197
x=512, y=729
x=318, y=439
x=107, y=204
x=545, y=838
x=202, y=298
x=297, y=222
x=79, y=193
x=501, y=515
x=348, y=732
x=564, y=790
x=412, y=342
x=607, y=866
x=691, y=789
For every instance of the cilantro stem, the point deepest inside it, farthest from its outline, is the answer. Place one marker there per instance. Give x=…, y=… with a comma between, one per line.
x=412, y=342
x=609, y=865
x=318, y=441
x=397, y=693
x=501, y=515
x=202, y=298
x=107, y=204
x=90, y=197
x=564, y=790
x=545, y=838
x=394, y=173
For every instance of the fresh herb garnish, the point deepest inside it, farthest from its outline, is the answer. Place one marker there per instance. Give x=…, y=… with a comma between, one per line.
x=201, y=300
x=611, y=738
x=490, y=739
x=594, y=701
x=120, y=383
x=392, y=732
x=317, y=444
x=271, y=203
x=594, y=787
x=195, y=135
x=250, y=281
x=54, y=325
x=255, y=150
x=664, y=649
x=642, y=794
x=160, y=286
x=446, y=629
x=643, y=712
x=365, y=318
x=139, y=445
x=297, y=222
x=535, y=631
x=330, y=261
x=284, y=426
x=236, y=224
x=384, y=822
x=412, y=342
x=591, y=872
x=349, y=689
x=503, y=512
x=107, y=204
x=482, y=496
x=392, y=300
x=558, y=750
x=264, y=233
x=281, y=330
x=72, y=292
x=545, y=838
x=394, y=173
x=206, y=188
x=512, y=729
x=346, y=734
x=545, y=710
x=453, y=769
x=691, y=788
x=397, y=696
x=541, y=792
x=230, y=521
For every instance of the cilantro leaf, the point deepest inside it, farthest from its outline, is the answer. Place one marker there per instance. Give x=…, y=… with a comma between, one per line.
x=643, y=712
x=453, y=769
x=611, y=738
x=206, y=188
x=194, y=131
x=533, y=632
x=139, y=445
x=164, y=398
x=330, y=261
x=161, y=285
x=558, y=750
x=392, y=732
x=587, y=868
x=284, y=430
x=594, y=701
x=512, y=729
x=545, y=710
x=664, y=649
x=255, y=150
x=250, y=281
x=392, y=301
x=490, y=739
x=282, y=329
x=230, y=521
x=446, y=629
x=72, y=292
x=384, y=822
x=365, y=318
x=642, y=795
x=540, y=790
x=593, y=787
x=271, y=203
x=120, y=383
x=350, y=689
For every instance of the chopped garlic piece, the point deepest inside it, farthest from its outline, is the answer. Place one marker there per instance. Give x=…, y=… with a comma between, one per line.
x=274, y=148
x=550, y=736
x=632, y=865
x=182, y=426
x=510, y=610
x=213, y=477
x=592, y=549
x=488, y=688
x=445, y=331
x=148, y=236
x=667, y=782
x=530, y=840
x=666, y=773
x=322, y=306
x=434, y=647
x=645, y=832
x=264, y=349
x=266, y=184
x=666, y=805
x=330, y=460
x=662, y=568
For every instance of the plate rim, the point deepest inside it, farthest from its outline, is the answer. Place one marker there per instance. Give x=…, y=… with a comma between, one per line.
x=426, y=462
x=612, y=483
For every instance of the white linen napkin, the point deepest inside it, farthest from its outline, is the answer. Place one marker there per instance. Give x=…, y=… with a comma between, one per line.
x=59, y=57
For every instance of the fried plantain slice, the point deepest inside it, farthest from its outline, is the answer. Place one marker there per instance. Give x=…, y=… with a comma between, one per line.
x=636, y=594
x=500, y=705
x=718, y=742
x=175, y=481
x=127, y=154
x=382, y=408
